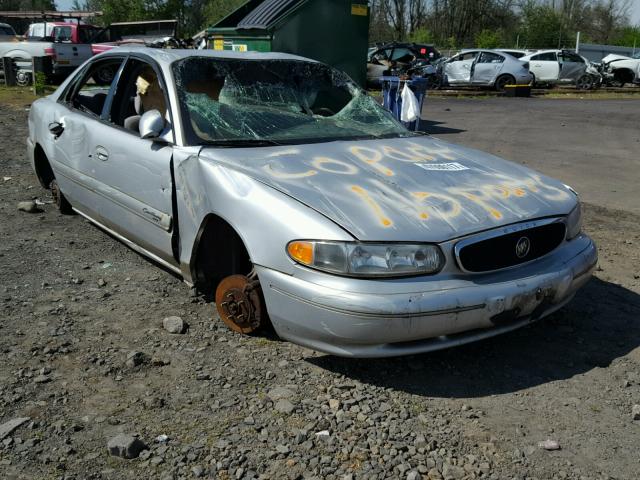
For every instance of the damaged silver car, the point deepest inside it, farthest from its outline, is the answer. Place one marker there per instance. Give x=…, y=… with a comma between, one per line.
x=280, y=185
x=485, y=68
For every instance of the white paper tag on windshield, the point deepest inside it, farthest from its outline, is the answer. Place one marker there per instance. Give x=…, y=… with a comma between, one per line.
x=447, y=167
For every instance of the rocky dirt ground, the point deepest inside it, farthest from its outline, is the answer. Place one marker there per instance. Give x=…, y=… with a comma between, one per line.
x=85, y=358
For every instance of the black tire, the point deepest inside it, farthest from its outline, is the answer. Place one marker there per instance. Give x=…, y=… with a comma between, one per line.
x=23, y=77
x=585, y=82
x=104, y=76
x=63, y=205
x=502, y=81
x=434, y=82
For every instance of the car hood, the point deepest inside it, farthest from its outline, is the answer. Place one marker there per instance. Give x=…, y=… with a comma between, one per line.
x=611, y=57
x=402, y=189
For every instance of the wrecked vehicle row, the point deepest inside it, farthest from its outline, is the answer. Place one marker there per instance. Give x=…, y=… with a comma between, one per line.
x=497, y=68
x=280, y=185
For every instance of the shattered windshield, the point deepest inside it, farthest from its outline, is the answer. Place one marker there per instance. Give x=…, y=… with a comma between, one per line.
x=275, y=101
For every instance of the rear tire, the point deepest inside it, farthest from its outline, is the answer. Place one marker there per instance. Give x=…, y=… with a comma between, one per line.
x=502, y=81
x=63, y=205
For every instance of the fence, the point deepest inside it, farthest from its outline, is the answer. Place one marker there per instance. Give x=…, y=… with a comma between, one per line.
x=596, y=53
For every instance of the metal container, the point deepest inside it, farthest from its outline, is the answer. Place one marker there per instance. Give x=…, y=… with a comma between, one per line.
x=335, y=32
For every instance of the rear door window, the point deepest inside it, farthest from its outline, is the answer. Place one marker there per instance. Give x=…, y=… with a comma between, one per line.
x=487, y=57
x=545, y=57
x=571, y=57
x=62, y=34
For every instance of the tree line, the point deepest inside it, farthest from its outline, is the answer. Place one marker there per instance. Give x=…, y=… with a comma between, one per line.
x=504, y=23
x=446, y=23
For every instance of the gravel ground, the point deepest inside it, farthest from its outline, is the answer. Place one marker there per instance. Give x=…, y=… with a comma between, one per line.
x=88, y=371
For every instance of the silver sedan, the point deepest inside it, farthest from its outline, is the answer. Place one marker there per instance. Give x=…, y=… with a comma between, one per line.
x=277, y=183
x=485, y=68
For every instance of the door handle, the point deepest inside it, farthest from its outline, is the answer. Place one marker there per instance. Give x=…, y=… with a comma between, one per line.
x=56, y=128
x=102, y=154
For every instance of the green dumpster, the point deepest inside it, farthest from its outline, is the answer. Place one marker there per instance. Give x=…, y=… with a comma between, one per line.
x=335, y=32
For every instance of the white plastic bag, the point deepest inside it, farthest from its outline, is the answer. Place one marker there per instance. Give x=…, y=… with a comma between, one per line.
x=410, y=105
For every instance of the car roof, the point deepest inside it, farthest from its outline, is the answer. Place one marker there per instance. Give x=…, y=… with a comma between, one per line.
x=168, y=56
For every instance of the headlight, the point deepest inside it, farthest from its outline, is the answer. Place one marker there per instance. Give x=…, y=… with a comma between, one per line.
x=574, y=222
x=367, y=259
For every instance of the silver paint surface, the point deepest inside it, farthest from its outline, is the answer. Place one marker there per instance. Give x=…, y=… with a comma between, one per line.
x=403, y=189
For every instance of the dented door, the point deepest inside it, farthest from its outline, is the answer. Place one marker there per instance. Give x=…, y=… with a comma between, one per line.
x=135, y=177
x=572, y=67
x=458, y=69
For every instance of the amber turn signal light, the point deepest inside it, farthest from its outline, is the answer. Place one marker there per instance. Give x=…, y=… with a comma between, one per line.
x=301, y=252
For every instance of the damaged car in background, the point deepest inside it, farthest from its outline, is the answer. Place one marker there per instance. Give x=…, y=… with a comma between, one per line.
x=280, y=185
x=484, y=68
x=556, y=67
x=400, y=59
x=619, y=70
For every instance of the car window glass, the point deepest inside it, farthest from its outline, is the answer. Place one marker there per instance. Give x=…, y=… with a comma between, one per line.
x=571, y=57
x=402, y=55
x=140, y=90
x=86, y=33
x=545, y=57
x=466, y=56
x=283, y=101
x=6, y=31
x=381, y=55
x=487, y=57
x=62, y=34
x=90, y=92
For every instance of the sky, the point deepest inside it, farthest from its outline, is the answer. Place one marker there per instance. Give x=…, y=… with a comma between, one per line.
x=634, y=11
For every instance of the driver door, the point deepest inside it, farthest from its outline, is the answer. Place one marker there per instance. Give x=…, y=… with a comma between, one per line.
x=572, y=67
x=458, y=69
x=135, y=173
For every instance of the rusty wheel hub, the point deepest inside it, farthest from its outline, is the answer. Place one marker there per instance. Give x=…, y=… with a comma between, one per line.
x=239, y=303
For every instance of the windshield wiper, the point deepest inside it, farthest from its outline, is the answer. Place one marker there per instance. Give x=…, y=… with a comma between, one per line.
x=243, y=142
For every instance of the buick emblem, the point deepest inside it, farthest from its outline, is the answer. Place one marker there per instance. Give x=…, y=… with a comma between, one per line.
x=522, y=247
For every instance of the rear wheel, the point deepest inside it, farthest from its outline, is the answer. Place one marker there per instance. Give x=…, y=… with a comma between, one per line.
x=503, y=81
x=59, y=199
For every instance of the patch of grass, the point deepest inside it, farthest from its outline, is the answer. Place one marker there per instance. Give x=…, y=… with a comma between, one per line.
x=21, y=96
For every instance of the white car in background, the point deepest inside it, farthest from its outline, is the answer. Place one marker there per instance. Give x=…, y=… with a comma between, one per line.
x=619, y=69
x=553, y=67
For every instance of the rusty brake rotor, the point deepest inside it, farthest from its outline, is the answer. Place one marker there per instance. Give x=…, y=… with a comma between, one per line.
x=239, y=303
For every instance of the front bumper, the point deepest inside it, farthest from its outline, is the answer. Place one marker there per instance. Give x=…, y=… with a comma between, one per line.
x=364, y=318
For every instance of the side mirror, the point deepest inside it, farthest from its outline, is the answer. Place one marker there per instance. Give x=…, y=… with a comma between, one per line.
x=151, y=124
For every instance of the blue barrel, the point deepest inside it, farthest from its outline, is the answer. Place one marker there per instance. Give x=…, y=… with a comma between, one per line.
x=392, y=99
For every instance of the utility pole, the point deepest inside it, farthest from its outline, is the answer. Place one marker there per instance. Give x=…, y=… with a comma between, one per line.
x=578, y=42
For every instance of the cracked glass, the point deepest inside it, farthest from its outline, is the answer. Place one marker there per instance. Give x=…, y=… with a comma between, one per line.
x=238, y=101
